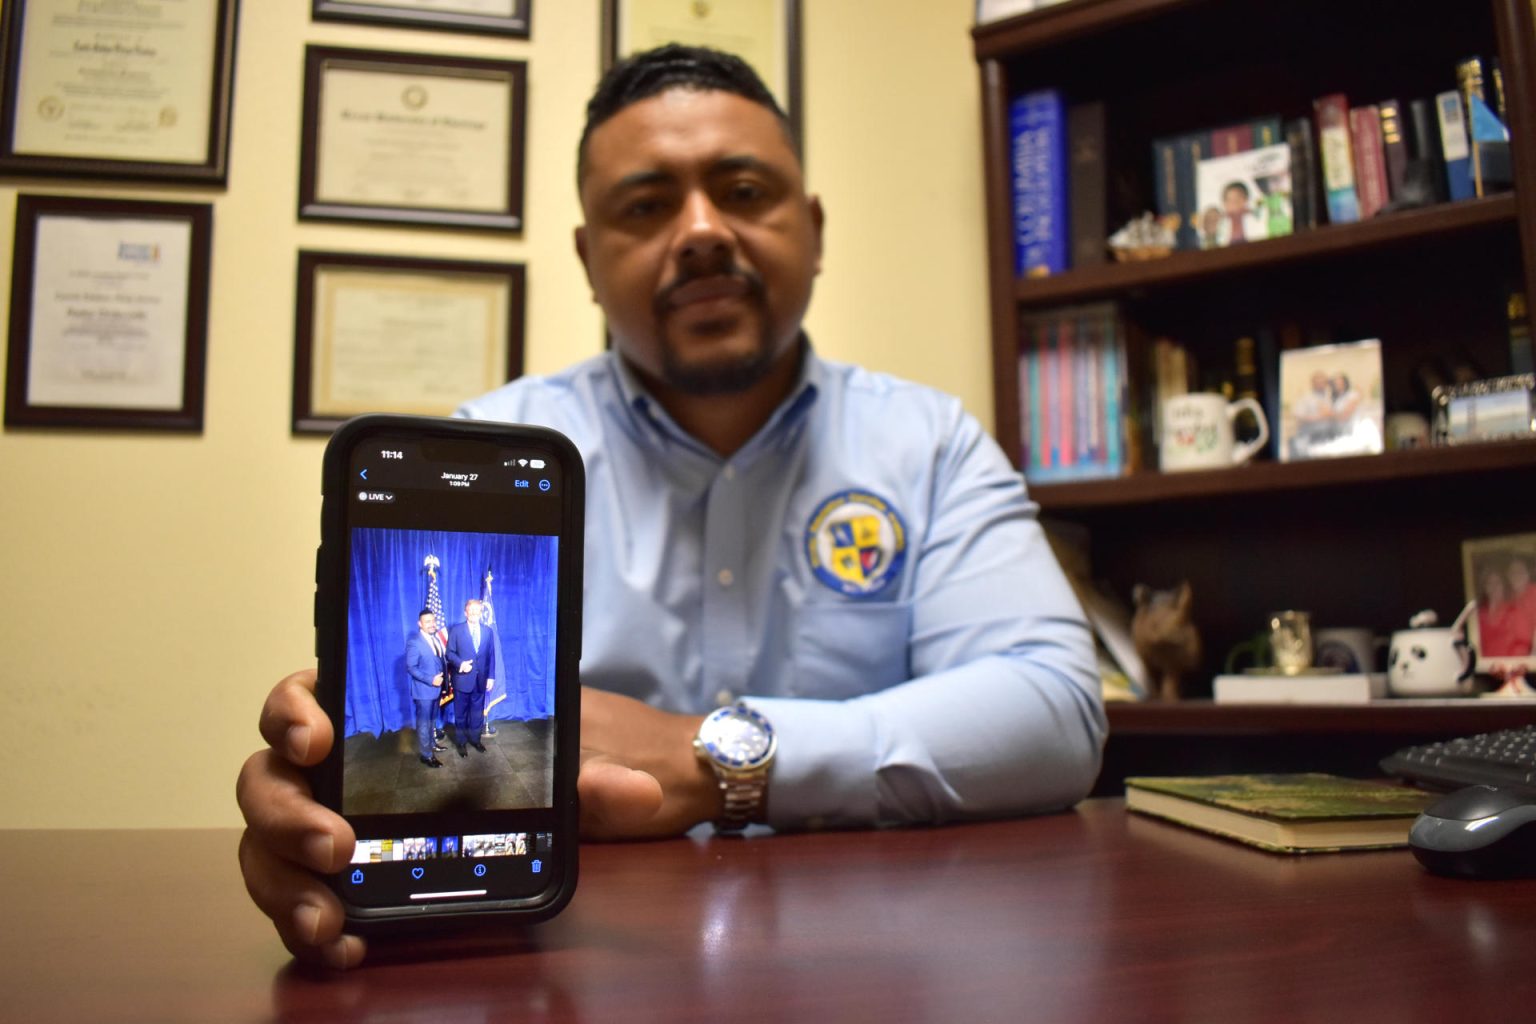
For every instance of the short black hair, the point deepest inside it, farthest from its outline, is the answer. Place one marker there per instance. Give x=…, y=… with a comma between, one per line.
x=674, y=66
x=425, y=611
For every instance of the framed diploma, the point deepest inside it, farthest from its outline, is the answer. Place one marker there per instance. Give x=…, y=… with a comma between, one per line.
x=133, y=91
x=404, y=138
x=764, y=33
x=398, y=334
x=109, y=313
x=492, y=17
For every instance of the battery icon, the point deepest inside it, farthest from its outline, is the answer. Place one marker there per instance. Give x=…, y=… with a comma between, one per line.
x=536, y=463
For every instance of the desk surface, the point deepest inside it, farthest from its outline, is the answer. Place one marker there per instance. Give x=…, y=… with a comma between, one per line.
x=1093, y=915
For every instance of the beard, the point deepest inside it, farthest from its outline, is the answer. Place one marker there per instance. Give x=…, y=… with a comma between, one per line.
x=723, y=373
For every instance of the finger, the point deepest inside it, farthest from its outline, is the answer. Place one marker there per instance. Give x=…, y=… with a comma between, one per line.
x=616, y=801
x=285, y=819
x=307, y=915
x=292, y=722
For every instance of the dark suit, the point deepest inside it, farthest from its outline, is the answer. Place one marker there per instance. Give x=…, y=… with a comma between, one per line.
x=469, y=687
x=422, y=664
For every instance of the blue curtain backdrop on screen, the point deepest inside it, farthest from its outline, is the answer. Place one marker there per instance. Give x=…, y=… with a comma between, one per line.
x=389, y=584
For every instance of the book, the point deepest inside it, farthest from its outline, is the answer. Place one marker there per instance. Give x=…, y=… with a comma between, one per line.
x=1455, y=147
x=1370, y=159
x=1341, y=688
x=1088, y=198
x=1303, y=813
x=1424, y=179
x=1337, y=158
x=1039, y=143
x=1394, y=147
x=1304, y=180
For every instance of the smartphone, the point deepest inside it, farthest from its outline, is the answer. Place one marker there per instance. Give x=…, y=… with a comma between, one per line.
x=448, y=631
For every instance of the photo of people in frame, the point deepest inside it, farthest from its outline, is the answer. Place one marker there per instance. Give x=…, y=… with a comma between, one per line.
x=1331, y=401
x=450, y=672
x=1499, y=574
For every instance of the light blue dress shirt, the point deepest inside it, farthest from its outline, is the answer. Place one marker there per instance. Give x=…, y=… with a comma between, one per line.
x=866, y=571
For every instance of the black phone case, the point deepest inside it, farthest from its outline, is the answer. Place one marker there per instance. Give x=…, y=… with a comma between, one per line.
x=330, y=633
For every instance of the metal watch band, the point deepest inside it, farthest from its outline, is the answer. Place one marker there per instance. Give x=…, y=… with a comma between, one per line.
x=743, y=800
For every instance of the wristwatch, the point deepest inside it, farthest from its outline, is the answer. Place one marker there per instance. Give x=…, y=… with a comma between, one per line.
x=738, y=744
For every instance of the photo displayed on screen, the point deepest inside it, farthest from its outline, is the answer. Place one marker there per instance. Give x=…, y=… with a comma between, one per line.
x=450, y=683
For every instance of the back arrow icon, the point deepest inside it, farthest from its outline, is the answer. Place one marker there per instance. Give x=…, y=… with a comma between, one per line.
x=363, y=474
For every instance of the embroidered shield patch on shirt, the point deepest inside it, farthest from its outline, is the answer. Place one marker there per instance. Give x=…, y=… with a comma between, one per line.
x=856, y=543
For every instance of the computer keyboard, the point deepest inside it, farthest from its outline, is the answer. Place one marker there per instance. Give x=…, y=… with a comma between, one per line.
x=1503, y=758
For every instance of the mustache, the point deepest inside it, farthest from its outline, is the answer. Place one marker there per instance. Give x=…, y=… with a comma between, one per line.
x=756, y=290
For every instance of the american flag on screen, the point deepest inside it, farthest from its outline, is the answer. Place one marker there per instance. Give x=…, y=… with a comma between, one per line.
x=434, y=604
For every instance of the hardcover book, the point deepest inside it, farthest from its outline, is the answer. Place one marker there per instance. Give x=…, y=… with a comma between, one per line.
x=1337, y=158
x=1394, y=148
x=1089, y=201
x=1304, y=182
x=1455, y=147
x=1339, y=688
x=1370, y=159
x=1306, y=813
x=1039, y=136
x=1425, y=177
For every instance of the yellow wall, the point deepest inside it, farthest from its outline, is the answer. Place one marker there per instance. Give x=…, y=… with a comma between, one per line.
x=155, y=587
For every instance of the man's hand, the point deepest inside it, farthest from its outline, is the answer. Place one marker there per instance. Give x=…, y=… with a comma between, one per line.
x=490, y=684
x=465, y=666
x=437, y=680
x=621, y=731
x=290, y=840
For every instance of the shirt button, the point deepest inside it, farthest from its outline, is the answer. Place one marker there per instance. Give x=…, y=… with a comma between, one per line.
x=729, y=472
x=724, y=699
x=726, y=577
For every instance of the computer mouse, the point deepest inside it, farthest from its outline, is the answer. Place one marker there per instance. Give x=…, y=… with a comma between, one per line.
x=1478, y=832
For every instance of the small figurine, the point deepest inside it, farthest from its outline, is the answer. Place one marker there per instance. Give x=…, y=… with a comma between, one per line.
x=1164, y=636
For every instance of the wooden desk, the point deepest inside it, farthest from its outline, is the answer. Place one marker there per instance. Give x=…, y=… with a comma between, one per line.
x=1092, y=915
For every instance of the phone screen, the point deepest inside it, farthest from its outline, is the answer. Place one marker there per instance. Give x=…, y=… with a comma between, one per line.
x=456, y=563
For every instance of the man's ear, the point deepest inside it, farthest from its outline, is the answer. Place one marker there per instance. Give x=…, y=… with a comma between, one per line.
x=582, y=254
x=818, y=221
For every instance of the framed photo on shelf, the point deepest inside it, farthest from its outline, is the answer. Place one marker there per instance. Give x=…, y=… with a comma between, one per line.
x=764, y=33
x=1331, y=401
x=490, y=17
x=109, y=314
x=413, y=139
x=400, y=334
x=91, y=92
x=1499, y=574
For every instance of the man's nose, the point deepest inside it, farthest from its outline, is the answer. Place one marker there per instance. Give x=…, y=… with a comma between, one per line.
x=705, y=241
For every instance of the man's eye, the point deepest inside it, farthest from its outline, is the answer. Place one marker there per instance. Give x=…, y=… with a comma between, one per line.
x=641, y=208
x=745, y=192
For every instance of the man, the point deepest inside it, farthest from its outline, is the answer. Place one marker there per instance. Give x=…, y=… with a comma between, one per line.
x=472, y=656
x=847, y=554
x=424, y=654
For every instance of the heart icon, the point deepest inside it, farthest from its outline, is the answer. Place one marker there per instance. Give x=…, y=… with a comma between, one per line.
x=417, y=872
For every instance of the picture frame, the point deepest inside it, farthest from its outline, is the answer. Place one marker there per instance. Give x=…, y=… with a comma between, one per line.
x=130, y=354
x=368, y=328
x=413, y=139
x=60, y=116
x=1499, y=577
x=1495, y=409
x=510, y=18
x=1331, y=401
x=773, y=26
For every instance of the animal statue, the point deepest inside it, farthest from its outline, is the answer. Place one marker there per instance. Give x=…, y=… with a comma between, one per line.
x=1164, y=636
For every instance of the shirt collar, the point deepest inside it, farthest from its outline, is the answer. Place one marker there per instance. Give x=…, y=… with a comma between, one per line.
x=653, y=420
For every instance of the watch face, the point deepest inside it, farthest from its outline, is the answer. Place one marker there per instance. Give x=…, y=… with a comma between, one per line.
x=738, y=737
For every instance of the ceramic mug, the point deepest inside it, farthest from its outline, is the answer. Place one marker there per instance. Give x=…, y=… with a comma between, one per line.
x=1432, y=661
x=1198, y=432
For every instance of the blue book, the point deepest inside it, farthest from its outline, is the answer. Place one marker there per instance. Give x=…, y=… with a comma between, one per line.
x=1454, y=145
x=1038, y=131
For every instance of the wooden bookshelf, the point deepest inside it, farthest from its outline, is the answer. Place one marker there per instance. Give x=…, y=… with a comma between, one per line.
x=1359, y=541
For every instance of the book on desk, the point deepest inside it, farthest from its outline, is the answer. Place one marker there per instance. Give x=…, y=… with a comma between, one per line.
x=1300, y=813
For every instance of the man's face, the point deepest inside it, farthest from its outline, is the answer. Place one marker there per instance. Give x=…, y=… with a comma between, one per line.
x=700, y=243
x=1235, y=200
x=1319, y=381
x=428, y=623
x=472, y=612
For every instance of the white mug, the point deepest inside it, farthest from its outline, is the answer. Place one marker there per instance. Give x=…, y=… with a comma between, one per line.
x=1198, y=434
x=1351, y=650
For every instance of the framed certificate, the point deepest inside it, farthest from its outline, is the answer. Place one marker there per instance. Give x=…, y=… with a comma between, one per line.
x=492, y=17
x=404, y=138
x=133, y=91
x=764, y=33
x=398, y=334
x=109, y=313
